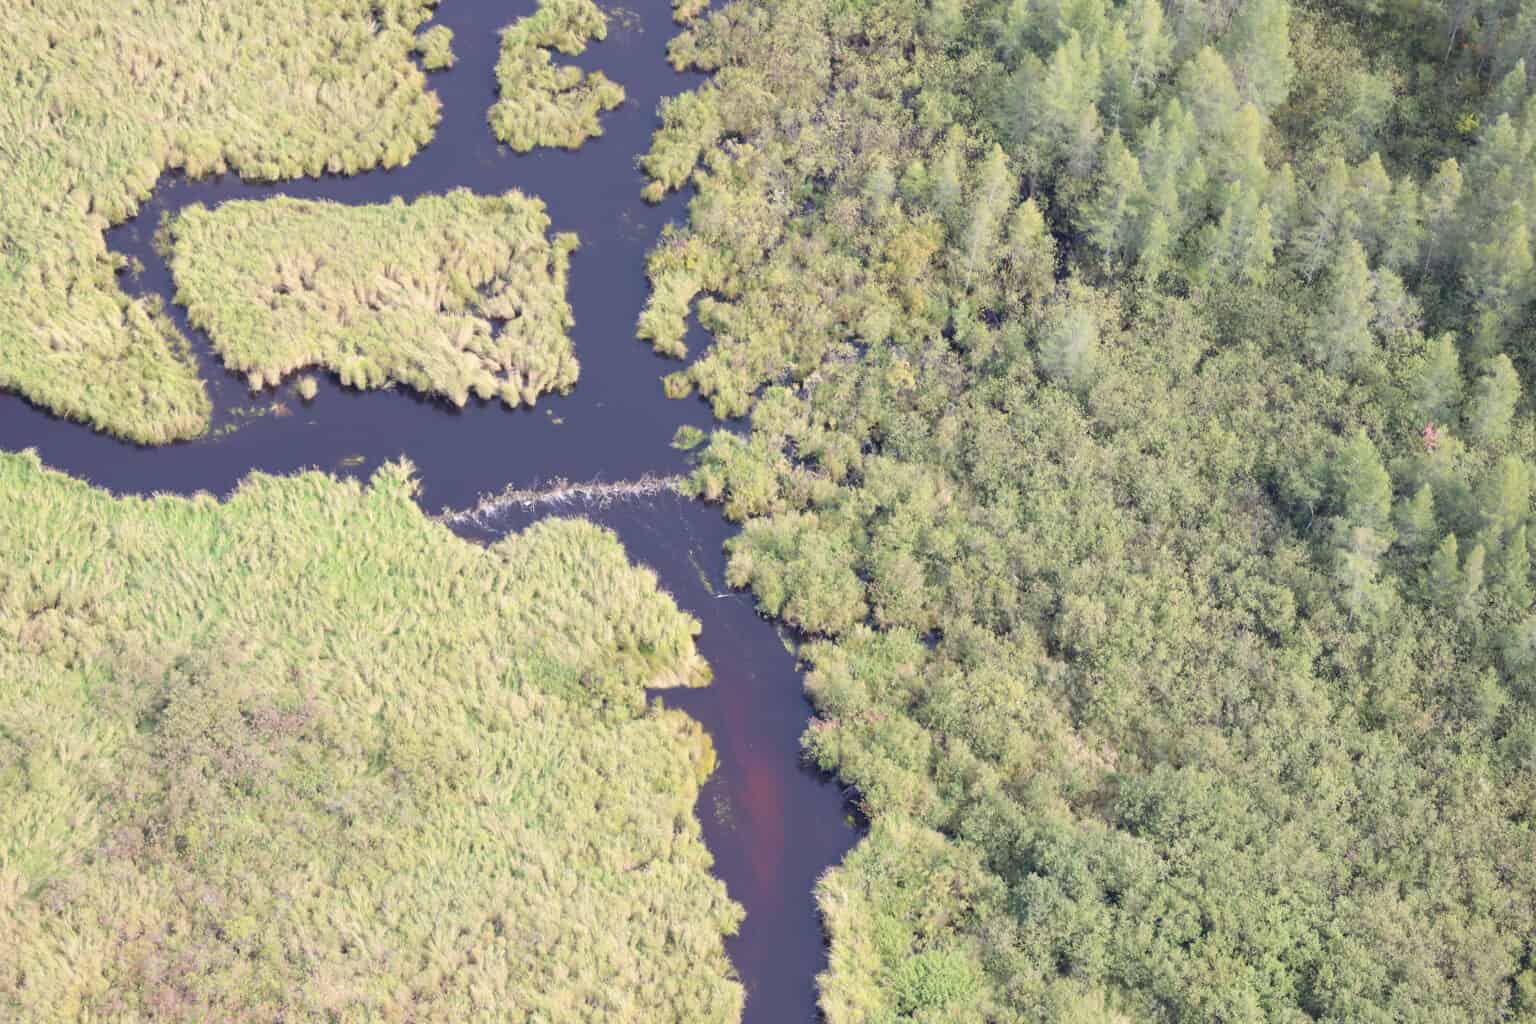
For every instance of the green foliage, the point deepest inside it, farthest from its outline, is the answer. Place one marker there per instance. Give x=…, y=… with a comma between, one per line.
x=435, y=46
x=449, y=295
x=305, y=755
x=542, y=103
x=1172, y=618
x=100, y=97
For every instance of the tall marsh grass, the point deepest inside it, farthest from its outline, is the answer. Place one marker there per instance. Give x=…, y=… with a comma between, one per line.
x=450, y=295
x=306, y=755
x=99, y=97
x=542, y=103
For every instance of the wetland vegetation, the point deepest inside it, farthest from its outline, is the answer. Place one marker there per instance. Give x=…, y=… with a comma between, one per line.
x=450, y=295
x=100, y=98
x=1141, y=436
x=305, y=754
x=543, y=103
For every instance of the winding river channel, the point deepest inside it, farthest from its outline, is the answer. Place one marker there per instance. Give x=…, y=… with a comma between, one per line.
x=772, y=824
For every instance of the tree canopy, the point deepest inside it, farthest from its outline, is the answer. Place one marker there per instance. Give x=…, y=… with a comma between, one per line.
x=1140, y=439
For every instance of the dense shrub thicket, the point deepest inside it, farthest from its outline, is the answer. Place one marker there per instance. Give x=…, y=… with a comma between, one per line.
x=543, y=103
x=1139, y=432
x=304, y=755
x=101, y=96
x=448, y=294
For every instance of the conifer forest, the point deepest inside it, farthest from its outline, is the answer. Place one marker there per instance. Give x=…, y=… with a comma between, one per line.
x=863, y=511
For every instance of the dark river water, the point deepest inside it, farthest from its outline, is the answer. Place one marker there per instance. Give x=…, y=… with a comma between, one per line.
x=772, y=824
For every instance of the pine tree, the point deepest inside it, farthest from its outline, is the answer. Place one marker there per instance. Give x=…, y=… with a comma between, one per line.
x=1150, y=45
x=1069, y=337
x=1441, y=199
x=1498, y=272
x=1416, y=525
x=1472, y=571
x=1329, y=219
x=948, y=190
x=1439, y=386
x=1341, y=332
x=1443, y=574
x=1110, y=219
x=1508, y=96
x=1361, y=484
x=1031, y=252
x=1371, y=190
x=1504, y=498
x=1054, y=106
x=1397, y=311
x=1355, y=569
x=1402, y=235
x=1257, y=45
x=879, y=187
x=1492, y=407
x=991, y=195
x=1515, y=569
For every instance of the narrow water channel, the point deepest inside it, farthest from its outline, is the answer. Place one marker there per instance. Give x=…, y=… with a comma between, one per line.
x=772, y=825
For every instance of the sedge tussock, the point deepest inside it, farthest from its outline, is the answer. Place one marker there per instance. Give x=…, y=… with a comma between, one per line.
x=450, y=295
x=304, y=754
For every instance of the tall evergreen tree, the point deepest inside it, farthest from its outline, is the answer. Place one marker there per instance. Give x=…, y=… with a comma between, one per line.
x=1257, y=46
x=1443, y=583
x=1111, y=218
x=990, y=196
x=1442, y=197
x=1031, y=252
x=1438, y=394
x=1416, y=525
x=1492, y=407
x=1069, y=336
x=1341, y=331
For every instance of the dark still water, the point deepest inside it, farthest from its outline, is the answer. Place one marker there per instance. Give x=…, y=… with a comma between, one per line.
x=773, y=825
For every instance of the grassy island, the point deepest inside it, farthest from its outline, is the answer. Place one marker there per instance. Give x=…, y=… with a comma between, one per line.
x=306, y=755
x=542, y=103
x=1141, y=433
x=102, y=96
x=450, y=295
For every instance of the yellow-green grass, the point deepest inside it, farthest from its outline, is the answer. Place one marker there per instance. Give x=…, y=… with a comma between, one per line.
x=449, y=295
x=307, y=755
x=99, y=97
x=542, y=103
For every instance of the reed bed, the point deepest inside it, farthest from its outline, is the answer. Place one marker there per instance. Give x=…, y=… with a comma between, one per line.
x=305, y=755
x=542, y=103
x=102, y=96
x=561, y=493
x=450, y=295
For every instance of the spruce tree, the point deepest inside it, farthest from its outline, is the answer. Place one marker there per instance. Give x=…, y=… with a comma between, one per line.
x=1031, y=253
x=1402, y=236
x=1110, y=219
x=1492, y=407
x=1515, y=569
x=1257, y=45
x=1361, y=484
x=1416, y=525
x=1341, y=332
x=990, y=196
x=1441, y=198
x=1443, y=574
x=1438, y=393
x=1069, y=337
